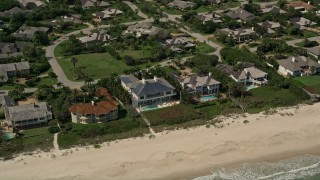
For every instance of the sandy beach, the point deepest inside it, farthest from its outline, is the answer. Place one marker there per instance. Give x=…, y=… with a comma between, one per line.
x=182, y=154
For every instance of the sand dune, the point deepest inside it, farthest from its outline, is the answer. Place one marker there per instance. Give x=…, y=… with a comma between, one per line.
x=183, y=153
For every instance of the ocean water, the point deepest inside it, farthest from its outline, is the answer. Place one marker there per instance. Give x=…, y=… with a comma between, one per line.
x=305, y=167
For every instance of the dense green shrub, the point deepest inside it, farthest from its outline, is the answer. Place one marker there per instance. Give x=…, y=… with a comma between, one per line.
x=53, y=129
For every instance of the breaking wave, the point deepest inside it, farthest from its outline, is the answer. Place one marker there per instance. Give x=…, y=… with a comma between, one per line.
x=299, y=167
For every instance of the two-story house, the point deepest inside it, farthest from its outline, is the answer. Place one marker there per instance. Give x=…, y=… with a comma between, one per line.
x=28, y=32
x=180, y=44
x=143, y=29
x=270, y=26
x=195, y=84
x=298, y=66
x=182, y=5
x=28, y=115
x=208, y=17
x=17, y=69
x=147, y=91
x=99, y=36
x=240, y=14
x=95, y=112
x=239, y=35
x=108, y=13
x=247, y=75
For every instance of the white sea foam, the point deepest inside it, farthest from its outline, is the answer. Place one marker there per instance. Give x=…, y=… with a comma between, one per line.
x=295, y=168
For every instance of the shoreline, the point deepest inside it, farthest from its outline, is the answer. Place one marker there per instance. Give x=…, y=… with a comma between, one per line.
x=272, y=158
x=183, y=154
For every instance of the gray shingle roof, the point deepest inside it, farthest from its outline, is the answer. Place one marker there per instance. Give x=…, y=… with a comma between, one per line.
x=255, y=73
x=128, y=80
x=28, y=111
x=19, y=66
x=29, y=32
x=6, y=101
x=297, y=63
x=194, y=81
x=240, y=14
x=151, y=87
x=8, y=48
x=146, y=87
x=225, y=68
x=315, y=50
x=181, y=4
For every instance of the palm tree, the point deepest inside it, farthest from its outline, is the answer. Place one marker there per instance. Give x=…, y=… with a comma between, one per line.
x=88, y=80
x=59, y=84
x=74, y=94
x=74, y=61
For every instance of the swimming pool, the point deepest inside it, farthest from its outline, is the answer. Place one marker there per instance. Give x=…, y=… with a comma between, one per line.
x=149, y=108
x=9, y=135
x=251, y=87
x=208, y=98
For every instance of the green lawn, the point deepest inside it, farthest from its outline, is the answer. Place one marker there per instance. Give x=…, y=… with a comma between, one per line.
x=308, y=34
x=172, y=11
x=32, y=139
x=47, y=80
x=97, y=65
x=137, y=54
x=300, y=44
x=309, y=80
x=311, y=83
x=218, y=42
x=202, y=9
x=204, y=48
x=7, y=87
x=123, y=19
x=38, y=138
x=75, y=28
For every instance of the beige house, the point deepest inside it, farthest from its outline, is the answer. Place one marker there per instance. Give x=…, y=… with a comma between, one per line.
x=13, y=70
x=239, y=35
x=298, y=66
x=28, y=115
x=95, y=112
x=203, y=85
x=147, y=91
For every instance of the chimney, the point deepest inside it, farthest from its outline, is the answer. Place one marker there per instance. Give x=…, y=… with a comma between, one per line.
x=143, y=81
x=308, y=2
x=293, y=59
x=252, y=28
x=241, y=12
x=92, y=103
x=210, y=73
x=155, y=78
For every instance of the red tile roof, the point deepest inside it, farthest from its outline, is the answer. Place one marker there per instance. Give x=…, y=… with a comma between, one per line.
x=99, y=108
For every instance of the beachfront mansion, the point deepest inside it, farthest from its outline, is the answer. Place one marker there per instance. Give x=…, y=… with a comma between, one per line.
x=147, y=91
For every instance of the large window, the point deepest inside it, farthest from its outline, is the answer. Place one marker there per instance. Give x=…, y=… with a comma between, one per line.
x=168, y=92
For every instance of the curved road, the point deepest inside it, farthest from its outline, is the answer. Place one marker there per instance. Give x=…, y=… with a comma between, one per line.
x=54, y=63
x=73, y=84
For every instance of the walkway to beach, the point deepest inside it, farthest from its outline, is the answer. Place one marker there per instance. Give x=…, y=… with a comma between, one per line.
x=55, y=143
x=148, y=123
